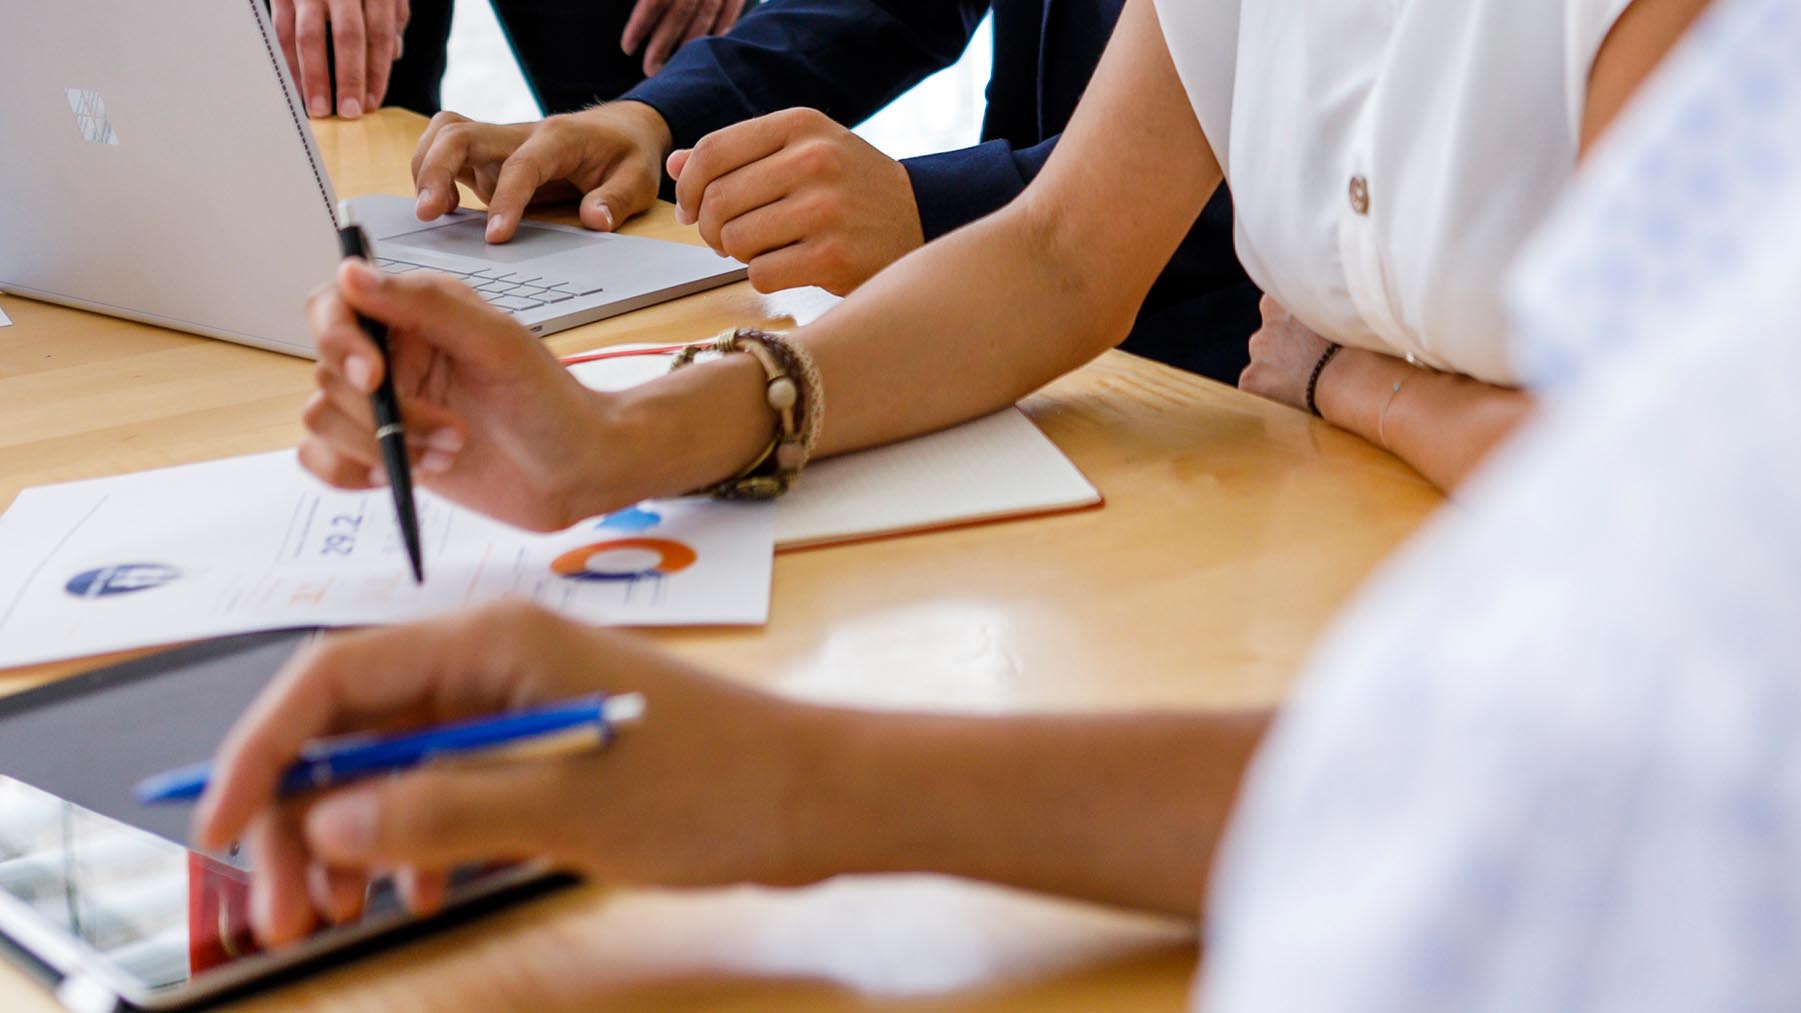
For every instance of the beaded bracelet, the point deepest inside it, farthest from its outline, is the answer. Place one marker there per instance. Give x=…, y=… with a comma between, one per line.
x=797, y=362
x=792, y=389
x=1318, y=368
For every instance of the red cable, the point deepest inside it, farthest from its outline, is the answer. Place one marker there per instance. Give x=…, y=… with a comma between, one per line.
x=619, y=353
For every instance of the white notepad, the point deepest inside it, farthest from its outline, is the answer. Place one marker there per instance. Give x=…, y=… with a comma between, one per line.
x=993, y=468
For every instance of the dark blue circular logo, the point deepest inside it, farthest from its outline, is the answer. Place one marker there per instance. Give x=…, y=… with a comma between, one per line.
x=121, y=579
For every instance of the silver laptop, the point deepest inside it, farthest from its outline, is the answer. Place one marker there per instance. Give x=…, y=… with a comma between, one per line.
x=155, y=164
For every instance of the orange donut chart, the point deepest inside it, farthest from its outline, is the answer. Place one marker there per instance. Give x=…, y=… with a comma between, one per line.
x=577, y=564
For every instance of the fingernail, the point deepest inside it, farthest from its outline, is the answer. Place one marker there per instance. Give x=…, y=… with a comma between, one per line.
x=317, y=107
x=351, y=108
x=682, y=216
x=406, y=884
x=197, y=827
x=360, y=373
x=436, y=462
x=495, y=224
x=424, y=199
x=370, y=102
x=378, y=475
x=448, y=439
x=318, y=887
x=262, y=908
x=199, y=819
x=343, y=825
x=606, y=214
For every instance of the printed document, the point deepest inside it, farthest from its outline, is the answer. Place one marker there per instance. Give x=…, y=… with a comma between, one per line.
x=255, y=543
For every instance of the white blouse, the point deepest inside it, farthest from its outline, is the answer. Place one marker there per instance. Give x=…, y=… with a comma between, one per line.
x=1387, y=158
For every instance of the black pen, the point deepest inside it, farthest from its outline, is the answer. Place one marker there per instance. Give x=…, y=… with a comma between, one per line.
x=390, y=432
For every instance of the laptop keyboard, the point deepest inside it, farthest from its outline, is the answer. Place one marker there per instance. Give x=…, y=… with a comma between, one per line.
x=513, y=291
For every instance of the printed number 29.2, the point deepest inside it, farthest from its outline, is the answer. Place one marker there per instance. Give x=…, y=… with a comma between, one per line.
x=341, y=540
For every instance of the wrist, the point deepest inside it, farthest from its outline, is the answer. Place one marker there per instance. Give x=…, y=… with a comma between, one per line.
x=911, y=223
x=1309, y=394
x=808, y=823
x=639, y=120
x=1334, y=391
x=1357, y=390
x=600, y=481
x=686, y=430
x=840, y=815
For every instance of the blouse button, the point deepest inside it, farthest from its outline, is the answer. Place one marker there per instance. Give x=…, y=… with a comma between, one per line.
x=1360, y=195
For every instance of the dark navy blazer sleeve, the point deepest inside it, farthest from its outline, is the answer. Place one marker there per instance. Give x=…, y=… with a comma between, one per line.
x=846, y=58
x=953, y=188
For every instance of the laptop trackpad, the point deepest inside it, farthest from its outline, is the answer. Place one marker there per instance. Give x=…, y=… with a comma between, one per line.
x=463, y=238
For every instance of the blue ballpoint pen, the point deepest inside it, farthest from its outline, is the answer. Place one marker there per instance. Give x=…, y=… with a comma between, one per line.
x=568, y=727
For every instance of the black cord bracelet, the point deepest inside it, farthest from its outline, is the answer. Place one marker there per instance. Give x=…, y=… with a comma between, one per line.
x=1318, y=368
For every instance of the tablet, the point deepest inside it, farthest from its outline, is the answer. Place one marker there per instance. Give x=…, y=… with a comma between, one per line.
x=99, y=895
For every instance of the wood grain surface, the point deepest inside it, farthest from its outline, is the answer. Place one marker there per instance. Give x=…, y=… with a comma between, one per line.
x=1233, y=529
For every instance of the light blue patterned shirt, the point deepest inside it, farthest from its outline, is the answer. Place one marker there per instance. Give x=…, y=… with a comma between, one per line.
x=1552, y=758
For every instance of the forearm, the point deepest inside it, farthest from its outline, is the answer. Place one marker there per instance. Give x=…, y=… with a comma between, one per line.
x=1121, y=809
x=965, y=326
x=919, y=347
x=1442, y=424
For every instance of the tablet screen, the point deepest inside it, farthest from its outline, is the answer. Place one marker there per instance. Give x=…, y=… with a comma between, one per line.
x=150, y=920
x=129, y=896
x=94, y=884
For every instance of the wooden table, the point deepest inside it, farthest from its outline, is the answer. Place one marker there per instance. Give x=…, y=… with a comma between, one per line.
x=1233, y=529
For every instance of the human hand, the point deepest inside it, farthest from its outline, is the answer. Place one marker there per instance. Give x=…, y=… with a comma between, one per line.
x=698, y=796
x=609, y=156
x=800, y=199
x=365, y=36
x=672, y=24
x=494, y=422
x=1283, y=354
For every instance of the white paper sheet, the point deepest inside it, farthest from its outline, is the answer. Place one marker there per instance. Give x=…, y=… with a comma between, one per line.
x=254, y=543
x=5, y=321
x=990, y=468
